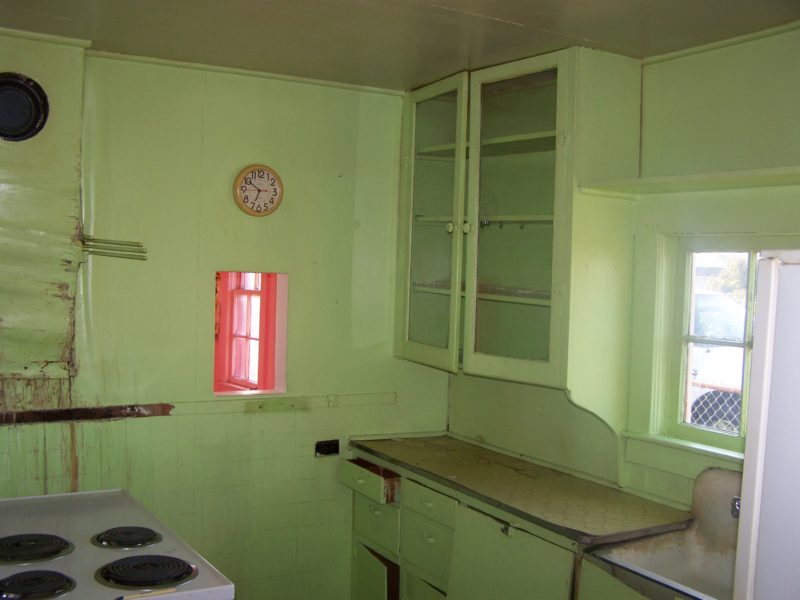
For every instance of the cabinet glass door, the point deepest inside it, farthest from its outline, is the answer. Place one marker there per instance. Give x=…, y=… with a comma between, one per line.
x=513, y=215
x=434, y=214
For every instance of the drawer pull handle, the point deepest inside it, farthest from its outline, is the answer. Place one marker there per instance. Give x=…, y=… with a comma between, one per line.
x=359, y=480
x=428, y=538
x=376, y=511
x=427, y=504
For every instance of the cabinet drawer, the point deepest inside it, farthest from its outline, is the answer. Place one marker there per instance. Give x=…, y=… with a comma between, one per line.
x=377, y=522
x=427, y=546
x=428, y=503
x=369, y=479
x=417, y=589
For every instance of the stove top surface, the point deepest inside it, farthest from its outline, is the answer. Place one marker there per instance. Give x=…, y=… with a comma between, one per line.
x=97, y=545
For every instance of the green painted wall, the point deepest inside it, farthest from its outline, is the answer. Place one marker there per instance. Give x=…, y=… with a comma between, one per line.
x=534, y=422
x=161, y=146
x=724, y=109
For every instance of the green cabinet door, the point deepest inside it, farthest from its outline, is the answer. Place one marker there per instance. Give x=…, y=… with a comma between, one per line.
x=374, y=576
x=492, y=560
x=431, y=224
x=596, y=584
x=517, y=211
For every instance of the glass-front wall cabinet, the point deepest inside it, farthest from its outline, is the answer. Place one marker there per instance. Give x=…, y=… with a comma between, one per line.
x=480, y=257
x=434, y=180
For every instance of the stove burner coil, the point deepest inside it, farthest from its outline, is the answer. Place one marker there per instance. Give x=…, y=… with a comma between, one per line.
x=28, y=585
x=148, y=571
x=30, y=547
x=127, y=537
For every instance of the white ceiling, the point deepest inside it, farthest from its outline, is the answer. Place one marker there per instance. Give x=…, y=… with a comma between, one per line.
x=396, y=44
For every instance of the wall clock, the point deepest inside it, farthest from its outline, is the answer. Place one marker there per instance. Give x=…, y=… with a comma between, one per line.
x=258, y=190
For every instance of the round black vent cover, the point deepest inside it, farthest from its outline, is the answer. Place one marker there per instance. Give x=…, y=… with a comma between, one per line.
x=23, y=107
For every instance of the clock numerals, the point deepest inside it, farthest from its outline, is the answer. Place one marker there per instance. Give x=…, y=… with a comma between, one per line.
x=258, y=190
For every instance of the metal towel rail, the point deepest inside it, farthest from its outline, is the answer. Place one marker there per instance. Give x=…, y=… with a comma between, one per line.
x=113, y=248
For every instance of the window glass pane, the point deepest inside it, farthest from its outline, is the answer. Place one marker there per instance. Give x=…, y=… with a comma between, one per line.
x=249, y=281
x=255, y=316
x=713, y=398
x=516, y=206
x=719, y=295
x=252, y=367
x=238, y=358
x=240, y=315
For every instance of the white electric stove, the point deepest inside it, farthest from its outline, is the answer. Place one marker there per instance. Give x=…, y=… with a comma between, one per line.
x=98, y=546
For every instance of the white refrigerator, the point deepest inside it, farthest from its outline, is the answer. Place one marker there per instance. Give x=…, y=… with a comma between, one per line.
x=767, y=565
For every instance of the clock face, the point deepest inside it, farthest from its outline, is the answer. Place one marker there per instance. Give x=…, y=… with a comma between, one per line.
x=258, y=190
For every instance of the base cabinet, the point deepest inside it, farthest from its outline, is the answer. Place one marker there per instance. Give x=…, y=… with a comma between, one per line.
x=428, y=545
x=599, y=580
x=415, y=588
x=492, y=559
x=596, y=584
x=375, y=577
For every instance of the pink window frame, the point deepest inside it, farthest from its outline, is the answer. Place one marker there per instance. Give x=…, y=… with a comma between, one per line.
x=228, y=287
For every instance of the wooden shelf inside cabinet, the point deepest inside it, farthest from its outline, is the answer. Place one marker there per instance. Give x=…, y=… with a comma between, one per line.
x=492, y=293
x=541, y=141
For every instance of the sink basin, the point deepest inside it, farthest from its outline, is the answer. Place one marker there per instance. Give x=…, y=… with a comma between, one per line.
x=697, y=562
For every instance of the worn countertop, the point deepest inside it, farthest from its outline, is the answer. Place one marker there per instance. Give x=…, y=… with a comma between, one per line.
x=583, y=511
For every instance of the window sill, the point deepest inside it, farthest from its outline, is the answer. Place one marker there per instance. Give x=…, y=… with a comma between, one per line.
x=679, y=444
x=229, y=389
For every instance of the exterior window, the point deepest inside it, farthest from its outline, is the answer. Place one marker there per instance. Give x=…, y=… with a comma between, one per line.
x=703, y=374
x=250, y=333
x=717, y=339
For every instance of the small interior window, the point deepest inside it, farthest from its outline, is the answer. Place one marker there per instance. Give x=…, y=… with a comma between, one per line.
x=250, y=332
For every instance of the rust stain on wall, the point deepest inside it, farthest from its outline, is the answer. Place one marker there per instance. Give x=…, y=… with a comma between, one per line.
x=73, y=458
x=89, y=413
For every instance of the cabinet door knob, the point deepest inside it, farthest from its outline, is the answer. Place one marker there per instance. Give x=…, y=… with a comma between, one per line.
x=450, y=227
x=427, y=504
x=466, y=227
x=359, y=480
x=428, y=538
x=376, y=512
